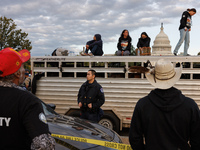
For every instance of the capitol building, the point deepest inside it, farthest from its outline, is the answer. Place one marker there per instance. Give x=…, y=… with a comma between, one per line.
x=161, y=45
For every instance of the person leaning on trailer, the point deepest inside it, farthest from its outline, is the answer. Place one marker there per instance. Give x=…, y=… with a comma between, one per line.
x=165, y=119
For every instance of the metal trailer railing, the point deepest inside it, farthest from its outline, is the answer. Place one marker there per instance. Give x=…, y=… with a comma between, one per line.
x=121, y=91
x=188, y=64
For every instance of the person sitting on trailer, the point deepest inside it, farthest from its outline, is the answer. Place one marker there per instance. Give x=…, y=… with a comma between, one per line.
x=95, y=46
x=124, y=44
x=143, y=45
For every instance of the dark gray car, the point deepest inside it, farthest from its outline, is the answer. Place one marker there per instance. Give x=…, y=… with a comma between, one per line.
x=72, y=126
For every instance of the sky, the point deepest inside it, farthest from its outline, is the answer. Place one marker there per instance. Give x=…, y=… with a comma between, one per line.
x=71, y=23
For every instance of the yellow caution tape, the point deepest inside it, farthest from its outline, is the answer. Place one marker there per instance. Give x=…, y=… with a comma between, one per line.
x=113, y=145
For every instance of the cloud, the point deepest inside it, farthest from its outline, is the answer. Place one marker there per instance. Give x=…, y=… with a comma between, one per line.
x=70, y=24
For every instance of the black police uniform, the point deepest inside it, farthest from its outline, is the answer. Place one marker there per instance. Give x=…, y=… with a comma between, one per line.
x=21, y=118
x=91, y=93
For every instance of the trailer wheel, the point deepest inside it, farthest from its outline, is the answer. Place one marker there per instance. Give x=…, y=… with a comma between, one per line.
x=110, y=121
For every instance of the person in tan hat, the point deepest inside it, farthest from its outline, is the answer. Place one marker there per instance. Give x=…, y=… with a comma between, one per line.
x=165, y=119
x=22, y=121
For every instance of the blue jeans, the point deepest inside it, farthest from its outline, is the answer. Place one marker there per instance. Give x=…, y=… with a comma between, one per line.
x=93, y=49
x=184, y=36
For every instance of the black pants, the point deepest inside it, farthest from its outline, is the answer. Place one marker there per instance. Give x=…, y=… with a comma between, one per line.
x=90, y=116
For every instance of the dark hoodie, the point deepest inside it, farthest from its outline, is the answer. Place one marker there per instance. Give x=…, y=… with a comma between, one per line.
x=167, y=120
x=185, y=21
x=143, y=42
x=99, y=43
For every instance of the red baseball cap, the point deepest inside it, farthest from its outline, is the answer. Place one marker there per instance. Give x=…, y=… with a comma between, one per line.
x=11, y=60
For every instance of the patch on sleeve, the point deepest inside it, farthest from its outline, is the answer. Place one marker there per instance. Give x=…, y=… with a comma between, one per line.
x=101, y=90
x=42, y=118
x=183, y=16
x=43, y=141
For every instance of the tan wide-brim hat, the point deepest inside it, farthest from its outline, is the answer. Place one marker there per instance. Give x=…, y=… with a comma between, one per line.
x=164, y=75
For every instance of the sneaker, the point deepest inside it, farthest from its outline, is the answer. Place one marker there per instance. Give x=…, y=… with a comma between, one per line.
x=175, y=54
x=83, y=54
x=90, y=54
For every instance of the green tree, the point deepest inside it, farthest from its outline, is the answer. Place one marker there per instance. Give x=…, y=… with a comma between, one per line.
x=133, y=50
x=12, y=37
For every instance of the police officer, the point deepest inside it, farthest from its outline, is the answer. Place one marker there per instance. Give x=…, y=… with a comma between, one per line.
x=91, y=98
x=22, y=121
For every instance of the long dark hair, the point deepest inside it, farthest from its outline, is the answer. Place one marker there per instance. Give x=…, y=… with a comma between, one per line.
x=122, y=36
x=192, y=9
x=144, y=33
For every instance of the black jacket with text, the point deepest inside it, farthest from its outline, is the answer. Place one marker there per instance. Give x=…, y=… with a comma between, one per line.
x=20, y=119
x=167, y=120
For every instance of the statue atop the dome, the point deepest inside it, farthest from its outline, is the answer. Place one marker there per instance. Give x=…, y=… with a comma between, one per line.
x=162, y=26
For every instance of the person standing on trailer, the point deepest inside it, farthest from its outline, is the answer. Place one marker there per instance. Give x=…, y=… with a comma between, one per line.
x=185, y=28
